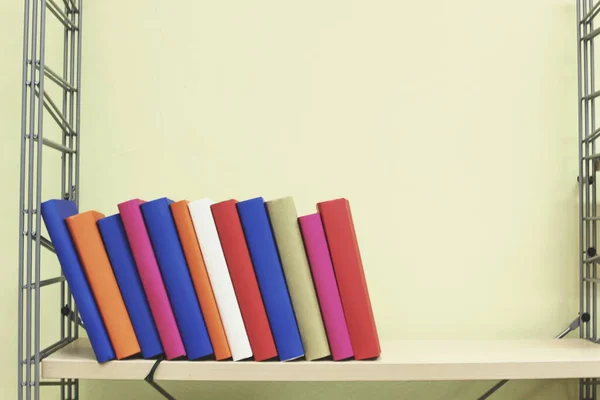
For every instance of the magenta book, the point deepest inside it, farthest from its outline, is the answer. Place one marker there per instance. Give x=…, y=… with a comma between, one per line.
x=326, y=286
x=152, y=281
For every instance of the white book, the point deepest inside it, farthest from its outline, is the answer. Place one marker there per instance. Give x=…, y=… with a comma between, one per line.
x=218, y=273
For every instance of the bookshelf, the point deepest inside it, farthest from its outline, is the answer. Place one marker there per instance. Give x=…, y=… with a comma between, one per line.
x=69, y=358
x=401, y=360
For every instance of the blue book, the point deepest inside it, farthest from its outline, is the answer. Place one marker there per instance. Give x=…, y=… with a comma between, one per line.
x=271, y=281
x=173, y=267
x=54, y=213
x=116, y=244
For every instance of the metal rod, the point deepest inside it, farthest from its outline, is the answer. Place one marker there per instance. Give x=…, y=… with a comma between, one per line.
x=64, y=157
x=63, y=331
x=45, y=282
x=591, y=157
x=57, y=146
x=38, y=194
x=591, y=35
x=54, y=77
x=595, y=135
x=70, y=314
x=572, y=326
x=74, y=107
x=493, y=389
x=66, y=325
x=54, y=347
x=46, y=243
x=25, y=89
x=61, y=16
x=150, y=379
x=576, y=323
x=591, y=259
x=593, y=188
x=48, y=351
x=78, y=111
x=58, y=16
x=160, y=390
x=54, y=111
x=30, y=196
x=51, y=281
x=582, y=135
x=55, y=117
x=58, y=383
x=593, y=95
x=67, y=6
x=78, y=130
x=590, y=15
x=588, y=157
x=66, y=391
x=580, y=156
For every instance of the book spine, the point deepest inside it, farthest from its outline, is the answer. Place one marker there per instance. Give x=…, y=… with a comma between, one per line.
x=348, y=267
x=154, y=287
x=220, y=280
x=89, y=246
x=171, y=261
x=54, y=213
x=284, y=221
x=326, y=286
x=197, y=269
x=123, y=265
x=243, y=278
x=269, y=274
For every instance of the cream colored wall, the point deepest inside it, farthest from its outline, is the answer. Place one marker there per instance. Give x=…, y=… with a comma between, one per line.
x=450, y=126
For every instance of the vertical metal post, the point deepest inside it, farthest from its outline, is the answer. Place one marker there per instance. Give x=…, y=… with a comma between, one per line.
x=587, y=182
x=74, y=136
x=582, y=177
x=64, y=324
x=78, y=105
x=66, y=291
x=24, y=113
x=78, y=138
x=38, y=202
x=69, y=193
x=30, y=177
x=592, y=186
x=587, y=199
x=587, y=164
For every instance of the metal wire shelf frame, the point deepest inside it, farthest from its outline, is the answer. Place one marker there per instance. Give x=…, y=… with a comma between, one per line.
x=587, y=94
x=36, y=101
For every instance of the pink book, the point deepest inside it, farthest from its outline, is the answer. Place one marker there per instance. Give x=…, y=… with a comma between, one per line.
x=326, y=286
x=152, y=281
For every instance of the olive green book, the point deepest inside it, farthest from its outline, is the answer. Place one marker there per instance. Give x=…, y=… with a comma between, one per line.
x=284, y=221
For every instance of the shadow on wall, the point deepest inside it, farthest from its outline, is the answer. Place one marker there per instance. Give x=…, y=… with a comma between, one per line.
x=518, y=390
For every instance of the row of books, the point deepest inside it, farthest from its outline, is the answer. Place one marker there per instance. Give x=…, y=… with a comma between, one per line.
x=228, y=280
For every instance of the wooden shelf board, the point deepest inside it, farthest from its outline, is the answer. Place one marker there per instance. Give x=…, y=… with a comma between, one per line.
x=401, y=360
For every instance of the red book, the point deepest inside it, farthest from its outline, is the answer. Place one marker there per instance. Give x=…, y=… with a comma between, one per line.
x=243, y=279
x=348, y=267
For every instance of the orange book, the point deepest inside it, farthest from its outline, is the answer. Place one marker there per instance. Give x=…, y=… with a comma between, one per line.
x=99, y=273
x=195, y=261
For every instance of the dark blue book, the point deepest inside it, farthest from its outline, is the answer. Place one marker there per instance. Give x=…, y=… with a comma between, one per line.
x=123, y=265
x=54, y=213
x=271, y=281
x=176, y=275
